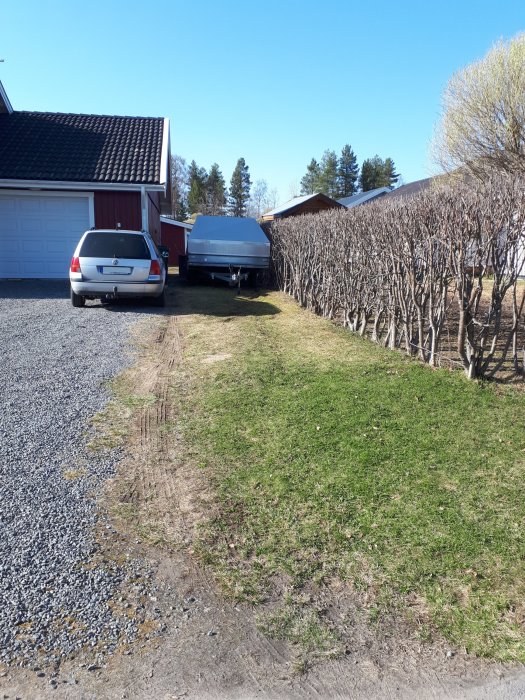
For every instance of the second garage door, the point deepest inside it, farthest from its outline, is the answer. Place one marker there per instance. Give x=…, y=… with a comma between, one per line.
x=38, y=233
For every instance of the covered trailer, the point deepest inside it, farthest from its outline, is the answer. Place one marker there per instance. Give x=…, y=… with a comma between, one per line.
x=226, y=247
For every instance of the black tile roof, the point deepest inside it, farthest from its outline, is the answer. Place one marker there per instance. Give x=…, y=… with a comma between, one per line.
x=80, y=148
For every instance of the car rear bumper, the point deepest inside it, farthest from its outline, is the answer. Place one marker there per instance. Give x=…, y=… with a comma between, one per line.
x=123, y=289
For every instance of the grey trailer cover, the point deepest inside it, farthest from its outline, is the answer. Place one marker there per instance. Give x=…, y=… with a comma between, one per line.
x=227, y=241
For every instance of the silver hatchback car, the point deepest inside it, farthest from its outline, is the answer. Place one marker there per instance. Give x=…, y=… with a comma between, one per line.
x=108, y=264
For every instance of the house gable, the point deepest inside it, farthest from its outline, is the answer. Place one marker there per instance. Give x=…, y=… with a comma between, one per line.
x=306, y=204
x=5, y=105
x=110, y=170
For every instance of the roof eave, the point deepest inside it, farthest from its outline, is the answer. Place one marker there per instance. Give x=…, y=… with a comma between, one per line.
x=166, y=205
x=174, y=222
x=164, y=157
x=279, y=212
x=324, y=198
x=70, y=185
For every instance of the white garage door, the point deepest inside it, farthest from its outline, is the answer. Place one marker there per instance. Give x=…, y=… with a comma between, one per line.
x=39, y=232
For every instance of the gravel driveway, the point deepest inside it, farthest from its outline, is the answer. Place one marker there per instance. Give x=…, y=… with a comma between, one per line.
x=54, y=361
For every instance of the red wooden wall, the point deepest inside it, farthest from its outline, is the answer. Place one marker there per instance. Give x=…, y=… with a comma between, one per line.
x=112, y=208
x=173, y=237
x=154, y=215
x=124, y=208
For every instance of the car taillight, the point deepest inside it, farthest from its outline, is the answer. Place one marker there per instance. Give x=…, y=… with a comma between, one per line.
x=75, y=265
x=155, y=268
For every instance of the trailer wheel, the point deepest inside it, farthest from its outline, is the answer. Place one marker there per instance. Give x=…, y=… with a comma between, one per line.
x=191, y=276
x=183, y=266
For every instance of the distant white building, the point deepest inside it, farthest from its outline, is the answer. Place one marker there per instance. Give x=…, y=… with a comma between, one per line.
x=363, y=197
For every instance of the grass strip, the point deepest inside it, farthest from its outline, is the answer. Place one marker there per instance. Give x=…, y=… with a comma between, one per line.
x=332, y=457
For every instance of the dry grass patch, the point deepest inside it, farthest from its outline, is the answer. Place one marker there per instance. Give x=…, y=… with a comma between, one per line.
x=74, y=474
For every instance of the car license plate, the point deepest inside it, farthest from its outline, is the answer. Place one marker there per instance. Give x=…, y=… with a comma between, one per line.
x=116, y=270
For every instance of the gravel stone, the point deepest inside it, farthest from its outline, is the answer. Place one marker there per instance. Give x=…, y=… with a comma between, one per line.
x=54, y=364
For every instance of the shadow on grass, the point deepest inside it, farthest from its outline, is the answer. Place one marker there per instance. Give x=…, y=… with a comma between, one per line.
x=211, y=298
x=214, y=298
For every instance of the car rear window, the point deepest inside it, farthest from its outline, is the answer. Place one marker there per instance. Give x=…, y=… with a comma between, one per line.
x=98, y=244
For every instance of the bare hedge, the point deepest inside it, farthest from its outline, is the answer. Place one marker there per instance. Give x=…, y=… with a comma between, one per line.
x=402, y=271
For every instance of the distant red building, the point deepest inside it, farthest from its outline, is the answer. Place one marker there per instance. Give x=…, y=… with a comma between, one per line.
x=307, y=204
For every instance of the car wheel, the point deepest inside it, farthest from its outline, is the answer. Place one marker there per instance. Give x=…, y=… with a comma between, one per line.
x=77, y=300
x=160, y=300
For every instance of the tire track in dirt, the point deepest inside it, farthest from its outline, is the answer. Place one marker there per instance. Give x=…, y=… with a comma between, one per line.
x=152, y=480
x=169, y=494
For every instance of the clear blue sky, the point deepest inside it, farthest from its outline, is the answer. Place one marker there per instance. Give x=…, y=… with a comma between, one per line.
x=276, y=82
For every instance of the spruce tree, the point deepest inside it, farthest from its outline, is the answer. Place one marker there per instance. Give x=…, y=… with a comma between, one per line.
x=310, y=182
x=348, y=172
x=376, y=172
x=239, y=189
x=328, y=179
x=391, y=177
x=215, y=192
x=197, y=188
x=368, y=177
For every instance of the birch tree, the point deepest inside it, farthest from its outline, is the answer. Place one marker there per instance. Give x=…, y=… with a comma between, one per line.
x=483, y=122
